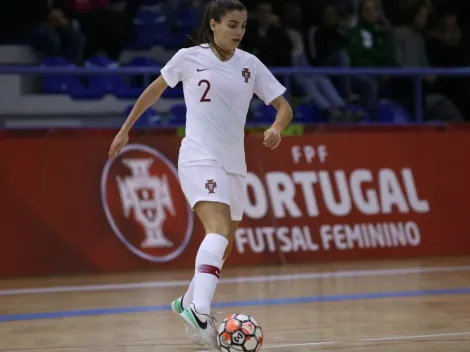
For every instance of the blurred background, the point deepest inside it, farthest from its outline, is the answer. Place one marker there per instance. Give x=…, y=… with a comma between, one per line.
x=356, y=230
x=328, y=53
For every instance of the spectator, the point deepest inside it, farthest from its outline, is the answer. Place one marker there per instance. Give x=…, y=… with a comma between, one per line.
x=368, y=44
x=329, y=40
x=331, y=49
x=445, y=48
x=445, y=45
x=317, y=88
x=267, y=39
x=45, y=28
x=105, y=29
x=410, y=51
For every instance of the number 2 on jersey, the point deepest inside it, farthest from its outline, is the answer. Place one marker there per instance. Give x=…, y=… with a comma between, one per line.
x=203, y=98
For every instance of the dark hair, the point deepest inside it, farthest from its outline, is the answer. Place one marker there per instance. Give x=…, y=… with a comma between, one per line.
x=361, y=6
x=216, y=9
x=409, y=11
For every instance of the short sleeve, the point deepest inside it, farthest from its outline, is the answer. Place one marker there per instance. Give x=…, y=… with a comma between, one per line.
x=266, y=86
x=173, y=71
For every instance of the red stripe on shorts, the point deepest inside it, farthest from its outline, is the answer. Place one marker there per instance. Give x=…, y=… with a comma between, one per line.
x=209, y=269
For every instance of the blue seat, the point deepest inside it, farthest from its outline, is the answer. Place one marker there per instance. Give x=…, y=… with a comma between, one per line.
x=264, y=114
x=145, y=61
x=306, y=113
x=174, y=93
x=148, y=24
x=58, y=84
x=145, y=38
x=104, y=83
x=171, y=40
x=135, y=85
x=188, y=17
x=148, y=119
x=177, y=114
x=146, y=16
x=389, y=111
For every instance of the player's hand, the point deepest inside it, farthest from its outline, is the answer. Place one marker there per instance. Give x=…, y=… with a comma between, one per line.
x=272, y=138
x=119, y=142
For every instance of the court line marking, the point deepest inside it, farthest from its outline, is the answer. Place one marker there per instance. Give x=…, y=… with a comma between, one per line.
x=425, y=336
x=378, y=339
x=299, y=344
x=236, y=280
x=235, y=304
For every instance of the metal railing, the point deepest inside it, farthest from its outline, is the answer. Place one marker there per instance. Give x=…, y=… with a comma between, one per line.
x=416, y=74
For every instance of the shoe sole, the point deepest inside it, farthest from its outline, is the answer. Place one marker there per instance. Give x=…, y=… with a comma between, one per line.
x=191, y=331
x=192, y=325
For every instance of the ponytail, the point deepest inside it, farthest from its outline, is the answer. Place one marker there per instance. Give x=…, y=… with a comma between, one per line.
x=205, y=34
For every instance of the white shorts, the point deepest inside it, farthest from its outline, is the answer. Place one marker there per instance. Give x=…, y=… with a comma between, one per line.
x=207, y=181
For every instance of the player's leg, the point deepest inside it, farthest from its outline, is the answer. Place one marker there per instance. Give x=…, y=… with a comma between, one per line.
x=216, y=220
x=215, y=217
x=220, y=222
x=184, y=301
x=233, y=225
x=206, y=187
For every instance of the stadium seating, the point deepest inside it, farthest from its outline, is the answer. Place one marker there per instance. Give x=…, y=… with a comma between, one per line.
x=389, y=111
x=149, y=118
x=177, y=114
x=153, y=32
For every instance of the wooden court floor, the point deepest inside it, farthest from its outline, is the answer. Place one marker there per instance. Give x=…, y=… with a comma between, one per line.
x=414, y=305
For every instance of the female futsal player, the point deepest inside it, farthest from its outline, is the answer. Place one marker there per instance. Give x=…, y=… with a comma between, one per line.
x=219, y=81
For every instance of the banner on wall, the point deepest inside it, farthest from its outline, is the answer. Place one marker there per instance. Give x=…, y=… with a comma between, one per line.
x=331, y=196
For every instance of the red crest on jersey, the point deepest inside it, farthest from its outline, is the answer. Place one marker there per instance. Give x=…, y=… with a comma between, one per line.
x=246, y=73
x=211, y=185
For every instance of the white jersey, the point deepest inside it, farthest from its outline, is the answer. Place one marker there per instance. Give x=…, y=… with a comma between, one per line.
x=217, y=96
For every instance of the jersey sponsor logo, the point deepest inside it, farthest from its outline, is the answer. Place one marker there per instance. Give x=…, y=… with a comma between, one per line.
x=246, y=73
x=211, y=185
x=144, y=204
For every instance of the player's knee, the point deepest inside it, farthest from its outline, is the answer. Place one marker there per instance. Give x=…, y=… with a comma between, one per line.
x=215, y=218
x=219, y=226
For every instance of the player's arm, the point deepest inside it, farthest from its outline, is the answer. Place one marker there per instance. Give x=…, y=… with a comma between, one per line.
x=171, y=74
x=146, y=99
x=284, y=113
x=272, y=136
x=149, y=96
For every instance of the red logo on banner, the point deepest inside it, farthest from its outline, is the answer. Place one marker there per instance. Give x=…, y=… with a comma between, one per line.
x=144, y=204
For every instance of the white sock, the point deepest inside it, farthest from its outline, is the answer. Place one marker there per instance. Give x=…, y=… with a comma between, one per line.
x=208, y=265
x=188, y=296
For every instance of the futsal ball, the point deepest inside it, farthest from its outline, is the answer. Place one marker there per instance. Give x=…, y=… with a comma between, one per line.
x=239, y=332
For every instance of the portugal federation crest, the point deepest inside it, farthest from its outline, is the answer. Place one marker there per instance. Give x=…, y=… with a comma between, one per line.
x=246, y=73
x=148, y=196
x=211, y=185
x=144, y=204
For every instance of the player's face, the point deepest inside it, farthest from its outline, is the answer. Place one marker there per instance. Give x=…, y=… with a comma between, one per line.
x=230, y=30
